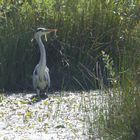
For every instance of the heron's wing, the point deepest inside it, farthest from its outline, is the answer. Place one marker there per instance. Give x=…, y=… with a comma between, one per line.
x=35, y=76
x=47, y=76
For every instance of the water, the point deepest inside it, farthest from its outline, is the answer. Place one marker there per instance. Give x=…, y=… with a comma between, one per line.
x=64, y=115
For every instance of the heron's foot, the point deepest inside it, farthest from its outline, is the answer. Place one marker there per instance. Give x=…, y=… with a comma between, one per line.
x=43, y=96
x=38, y=98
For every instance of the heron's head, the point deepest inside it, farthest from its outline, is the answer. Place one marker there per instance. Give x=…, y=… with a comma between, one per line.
x=43, y=31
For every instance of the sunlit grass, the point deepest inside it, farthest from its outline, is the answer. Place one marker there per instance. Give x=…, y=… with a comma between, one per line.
x=100, y=42
x=63, y=116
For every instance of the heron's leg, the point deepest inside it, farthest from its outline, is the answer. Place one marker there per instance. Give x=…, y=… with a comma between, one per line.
x=38, y=92
x=46, y=91
x=36, y=98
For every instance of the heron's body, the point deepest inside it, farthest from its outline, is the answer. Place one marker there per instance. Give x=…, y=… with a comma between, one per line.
x=41, y=78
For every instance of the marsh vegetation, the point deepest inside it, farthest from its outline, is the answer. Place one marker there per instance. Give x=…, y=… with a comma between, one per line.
x=97, y=47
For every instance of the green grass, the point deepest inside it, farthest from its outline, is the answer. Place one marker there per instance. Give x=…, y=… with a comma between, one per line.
x=99, y=40
x=85, y=28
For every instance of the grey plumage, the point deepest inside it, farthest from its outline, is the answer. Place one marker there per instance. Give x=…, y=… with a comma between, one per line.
x=41, y=77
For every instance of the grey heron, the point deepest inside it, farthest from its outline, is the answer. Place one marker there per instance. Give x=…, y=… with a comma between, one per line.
x=41, y=77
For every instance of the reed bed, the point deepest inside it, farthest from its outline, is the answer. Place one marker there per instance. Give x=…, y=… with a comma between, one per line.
x=97, y=47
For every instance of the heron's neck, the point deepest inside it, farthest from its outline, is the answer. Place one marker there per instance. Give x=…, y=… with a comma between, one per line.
x=42, y=62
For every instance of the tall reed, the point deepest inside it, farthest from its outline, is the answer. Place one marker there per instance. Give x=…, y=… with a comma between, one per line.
x=75, y=58
x=84, y=29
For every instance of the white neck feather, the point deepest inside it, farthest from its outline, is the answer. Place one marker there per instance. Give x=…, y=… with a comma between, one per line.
x=42, y=61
